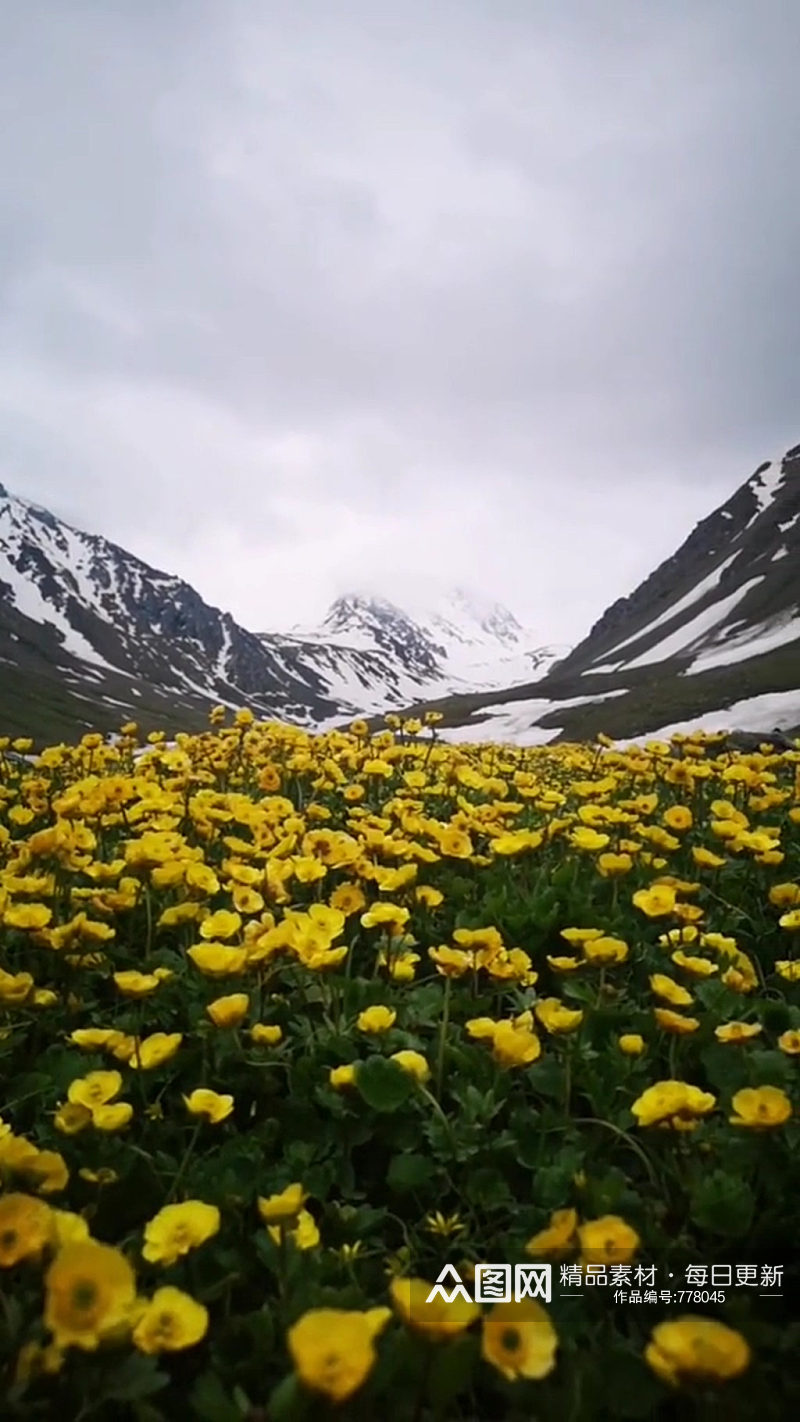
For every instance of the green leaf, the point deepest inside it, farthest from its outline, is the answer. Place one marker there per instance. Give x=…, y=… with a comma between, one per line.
x=288, y=1402
x=409, y=1172
x=723, y=1204
x=383, y=1084
x=211, y=1403
x=553, y=1184
x=726, y=1067
x=137, y=1377
x=633, y=1391
x=451, y=1372
x=770, y=1069
x=547, y=1077
x=486, y=1188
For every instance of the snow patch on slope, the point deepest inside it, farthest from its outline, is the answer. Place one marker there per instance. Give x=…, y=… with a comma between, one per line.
x=774, y=711
x=684, y=638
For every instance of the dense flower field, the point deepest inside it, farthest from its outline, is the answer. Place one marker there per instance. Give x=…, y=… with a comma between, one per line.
x=288, y=1024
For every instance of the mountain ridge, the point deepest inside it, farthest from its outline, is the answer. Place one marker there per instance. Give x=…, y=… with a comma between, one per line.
x=85, y=624
x=714, y=628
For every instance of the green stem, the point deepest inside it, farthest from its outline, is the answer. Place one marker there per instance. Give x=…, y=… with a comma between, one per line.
x=184, y=1163
x=148, y=908
x=623, y=1135
x=443, y=1026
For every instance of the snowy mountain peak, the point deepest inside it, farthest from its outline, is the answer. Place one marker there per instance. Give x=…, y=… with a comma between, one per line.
x=90, y=628
x=711, y=638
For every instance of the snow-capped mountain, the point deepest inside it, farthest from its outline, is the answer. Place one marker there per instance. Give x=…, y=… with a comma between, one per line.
x=462, y=642
x=730, y=592
x=711, y=638
x=90, y=635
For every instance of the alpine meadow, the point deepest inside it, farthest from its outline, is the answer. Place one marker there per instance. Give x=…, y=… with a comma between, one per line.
x=293, y=1021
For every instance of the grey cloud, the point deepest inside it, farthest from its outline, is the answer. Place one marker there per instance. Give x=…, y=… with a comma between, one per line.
x=294, y=292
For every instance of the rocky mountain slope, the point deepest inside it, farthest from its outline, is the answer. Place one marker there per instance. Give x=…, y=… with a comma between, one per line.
x=91, y=636
x=376, y=655
x=711, y=637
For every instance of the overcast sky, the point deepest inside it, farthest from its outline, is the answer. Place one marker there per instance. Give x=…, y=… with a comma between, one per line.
x=298, y=297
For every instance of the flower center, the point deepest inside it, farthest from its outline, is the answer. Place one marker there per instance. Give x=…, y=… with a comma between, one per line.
x=510, y=1340
x=84, y=1296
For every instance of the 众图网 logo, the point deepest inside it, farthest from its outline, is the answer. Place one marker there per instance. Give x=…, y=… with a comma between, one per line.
x=495, y=1283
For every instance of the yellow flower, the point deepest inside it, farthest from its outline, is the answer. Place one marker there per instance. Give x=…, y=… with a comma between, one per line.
x=738, y=1031
x=34, y=1361
x=691, y=1349
x=437, y=1319
x=678, y=818
x=282, y=1208
x=577, y=936
x=348, y=899
x=211, y=1104
x=103, y=1176
x=611, y=865
x=563, y=964
x=706, y=858
x=429, y=896
x=95, y=1089
x=605, y=950
x=556, y=1017
x=94, y=1039
x=557, y=1239
x=608, y=1240
x=671, y=1102
x=304, y=1234
x=133, y=984
x=155, y=1050
x=229, y=1011
x=673, y=1022
x=222, y=924
x=342, y=1076
x=445, y=1226
x=519, y=1340
x=27, y=916
x=669, y=990
x=791, y=919
x=26, y=1228
x=177, y=1229
x=401, y=965
x=15, y=988
x=698, y=967
x=589, y=839
x=789, y=1042
x=514, y=1046
x=333, y=1350
x=112, y=1118
x=450, y=962
x=455, y=844
x=631, y=1044
x=90, y=1290
x=217, y=961
x=656, y=901
x=784, y=895
x=171, y=1321
x=265, y=1034
x=390, y=915
x=486, y=943
x=71, y=1117
x=481, y=1029
x=376, y=1019
x=760, y=1107
x=69, y=1228
x=414, y=1063
x=788, y=970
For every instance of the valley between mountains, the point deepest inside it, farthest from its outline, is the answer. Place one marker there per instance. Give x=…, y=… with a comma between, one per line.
x=90, y=637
